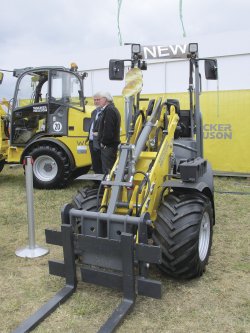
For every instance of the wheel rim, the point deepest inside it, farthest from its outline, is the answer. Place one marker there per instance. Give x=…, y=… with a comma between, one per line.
x=204, y=236
x=45, y=168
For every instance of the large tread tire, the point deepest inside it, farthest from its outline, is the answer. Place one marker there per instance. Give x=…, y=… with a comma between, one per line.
x=51, y=167
x=85, y=199
x=183, y=229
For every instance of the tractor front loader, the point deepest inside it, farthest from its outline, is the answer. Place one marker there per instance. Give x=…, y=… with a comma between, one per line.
x=154, y=207
x=47, y=120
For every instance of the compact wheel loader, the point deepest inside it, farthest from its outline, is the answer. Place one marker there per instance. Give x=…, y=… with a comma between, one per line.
x=49, y=121
x=160, y=173
x=156, y=206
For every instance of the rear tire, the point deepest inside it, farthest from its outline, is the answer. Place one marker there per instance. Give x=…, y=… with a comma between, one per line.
x=183, y=229
x=51, y=167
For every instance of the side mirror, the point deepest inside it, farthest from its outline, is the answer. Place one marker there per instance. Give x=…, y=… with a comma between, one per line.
x=211, y=70
x=116, y=69
x=1, y=77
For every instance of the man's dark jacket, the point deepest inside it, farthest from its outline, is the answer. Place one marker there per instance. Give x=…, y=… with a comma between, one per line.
x=109, y=128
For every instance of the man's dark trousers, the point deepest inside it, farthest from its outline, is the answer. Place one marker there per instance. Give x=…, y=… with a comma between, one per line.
x=96, y=158
x=108, y=158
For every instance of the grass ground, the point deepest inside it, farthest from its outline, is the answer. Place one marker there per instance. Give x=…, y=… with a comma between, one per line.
x=217, y=302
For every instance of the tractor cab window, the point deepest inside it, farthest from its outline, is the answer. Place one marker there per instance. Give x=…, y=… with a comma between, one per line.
x=65, y=88
x=32, y=89
x=30, y=107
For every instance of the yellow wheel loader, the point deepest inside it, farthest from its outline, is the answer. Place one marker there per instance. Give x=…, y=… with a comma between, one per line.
x=156, y=206
x=49, y=121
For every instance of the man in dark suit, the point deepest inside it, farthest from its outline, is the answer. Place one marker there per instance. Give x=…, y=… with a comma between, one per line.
x=95, y=149
x=108, y=131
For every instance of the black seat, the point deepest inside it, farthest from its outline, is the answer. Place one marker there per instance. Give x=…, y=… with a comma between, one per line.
x=175, y=103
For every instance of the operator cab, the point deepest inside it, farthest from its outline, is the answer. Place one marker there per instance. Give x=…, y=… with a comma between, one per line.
x=42, y=100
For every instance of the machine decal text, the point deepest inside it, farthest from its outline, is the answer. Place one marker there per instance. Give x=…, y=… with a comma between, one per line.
x=42, y=108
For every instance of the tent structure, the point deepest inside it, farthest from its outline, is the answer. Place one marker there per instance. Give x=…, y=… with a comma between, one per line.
x=225, y=104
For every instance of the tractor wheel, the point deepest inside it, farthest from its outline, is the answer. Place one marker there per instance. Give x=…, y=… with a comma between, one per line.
x=51, y=167
x=2, y=165
x=183, y=229
x=85, y=199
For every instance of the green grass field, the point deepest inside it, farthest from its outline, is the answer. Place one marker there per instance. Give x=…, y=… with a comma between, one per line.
x=217, y=302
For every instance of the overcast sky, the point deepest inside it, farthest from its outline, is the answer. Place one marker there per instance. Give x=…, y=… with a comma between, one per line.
x=57, y=32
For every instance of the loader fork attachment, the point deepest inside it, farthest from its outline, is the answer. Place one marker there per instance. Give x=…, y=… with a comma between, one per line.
x=64, y=239
x=120, y=272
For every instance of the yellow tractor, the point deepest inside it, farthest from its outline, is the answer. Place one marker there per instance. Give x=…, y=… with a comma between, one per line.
x=49, y=121
x=155, y=207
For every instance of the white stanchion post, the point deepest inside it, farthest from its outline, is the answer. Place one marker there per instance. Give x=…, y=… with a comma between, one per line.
x=32, y=250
